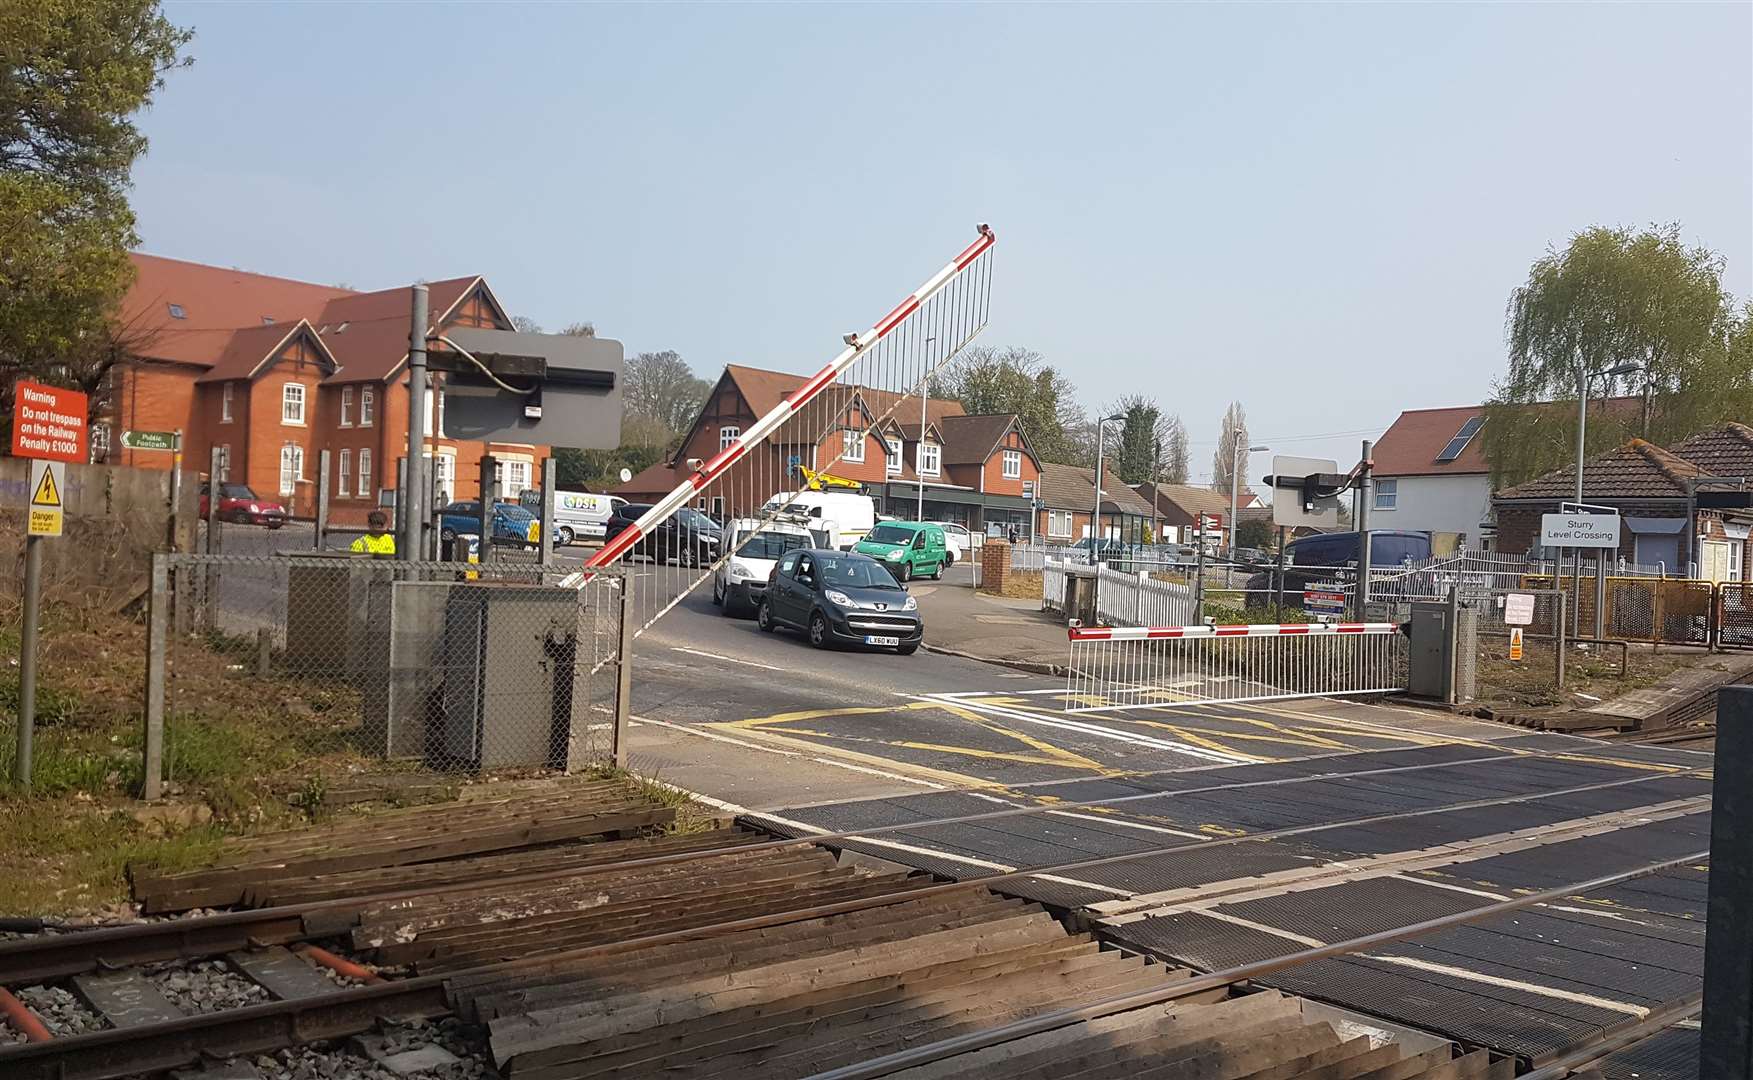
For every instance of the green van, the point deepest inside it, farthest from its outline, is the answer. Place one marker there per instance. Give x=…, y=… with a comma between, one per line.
x=908, y=548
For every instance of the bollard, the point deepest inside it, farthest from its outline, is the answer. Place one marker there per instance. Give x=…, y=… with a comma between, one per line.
x=1726, y=1042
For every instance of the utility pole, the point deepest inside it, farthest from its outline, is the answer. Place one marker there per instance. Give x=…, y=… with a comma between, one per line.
x=1156, y=453
x=919, y=453
x=1366, y=488
x=413, y=485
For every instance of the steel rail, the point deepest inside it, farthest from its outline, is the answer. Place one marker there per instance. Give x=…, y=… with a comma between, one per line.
x=1584, y=1056
x=980, y=1040
x=60, y=955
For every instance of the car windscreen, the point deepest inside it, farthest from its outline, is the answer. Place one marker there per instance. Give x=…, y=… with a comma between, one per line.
x=890, y=534
x=236, y=491
x=514, y=513
x=771, y=545
x=695, y=519
x=849, y=573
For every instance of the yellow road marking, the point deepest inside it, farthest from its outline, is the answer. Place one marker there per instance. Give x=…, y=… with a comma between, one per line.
x=1068, y=758
x=941, y=776
x=818, y=714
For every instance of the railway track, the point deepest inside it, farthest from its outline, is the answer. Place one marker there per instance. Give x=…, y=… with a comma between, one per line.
x=627, y=952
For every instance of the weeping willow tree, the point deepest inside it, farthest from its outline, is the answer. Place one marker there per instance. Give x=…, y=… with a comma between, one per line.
x=1612, y=297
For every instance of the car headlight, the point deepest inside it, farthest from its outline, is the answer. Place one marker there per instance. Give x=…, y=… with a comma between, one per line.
x=737, y=570
x=835, y=596
x=894, y=556
x=254, y=509
x=912, y=604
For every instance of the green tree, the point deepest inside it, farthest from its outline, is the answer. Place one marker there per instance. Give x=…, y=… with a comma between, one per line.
x=1610, y=297
x=1017, y=380
x=1233, y=434
x=660, y=387
x=72, y=75
x=1254, y=533
x=1152, y=446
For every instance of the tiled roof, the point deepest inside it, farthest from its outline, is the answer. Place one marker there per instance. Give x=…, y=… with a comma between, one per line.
x=1411, y=445
x=1636, y=470
x=970, y=440
x=1071, y=487
x=1191, y=500
x=246, y=349
x=1724, y=450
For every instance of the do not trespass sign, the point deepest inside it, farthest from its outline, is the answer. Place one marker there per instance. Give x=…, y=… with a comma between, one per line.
x=48, y=422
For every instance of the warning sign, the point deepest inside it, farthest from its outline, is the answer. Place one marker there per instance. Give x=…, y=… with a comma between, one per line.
x=48, y=479
x=1515, y=643
x=48, y=422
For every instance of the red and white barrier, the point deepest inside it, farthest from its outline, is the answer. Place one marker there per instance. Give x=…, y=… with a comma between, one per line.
x=1138, y=668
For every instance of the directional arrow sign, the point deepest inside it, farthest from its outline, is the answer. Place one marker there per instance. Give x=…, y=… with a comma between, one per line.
x=149, y=440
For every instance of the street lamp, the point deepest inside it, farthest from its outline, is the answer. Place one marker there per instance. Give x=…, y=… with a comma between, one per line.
x=1229, y=575
x=1582, y=410
x=1096, y=513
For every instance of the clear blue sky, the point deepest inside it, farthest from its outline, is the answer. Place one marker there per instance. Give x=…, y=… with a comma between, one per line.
x=1316, y=210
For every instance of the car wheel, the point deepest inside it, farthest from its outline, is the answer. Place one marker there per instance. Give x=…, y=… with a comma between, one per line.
x=449, y=536
x=937, y=574
x=240, y=517
x=764, y=617
x=907, y=650
x=562, y=537
x=906, y=572
x=818, y=631
x=274, y=524
x=949, y=558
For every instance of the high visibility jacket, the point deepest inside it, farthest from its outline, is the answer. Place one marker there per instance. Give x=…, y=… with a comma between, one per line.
x=375, y=545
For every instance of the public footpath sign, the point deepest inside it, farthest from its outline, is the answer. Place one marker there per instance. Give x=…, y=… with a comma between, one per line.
x=48, y=422
x=48, y=479
x=149, y=440
x=1580, y=530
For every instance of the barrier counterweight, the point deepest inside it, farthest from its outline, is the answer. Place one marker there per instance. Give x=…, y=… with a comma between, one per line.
x=1115, y=668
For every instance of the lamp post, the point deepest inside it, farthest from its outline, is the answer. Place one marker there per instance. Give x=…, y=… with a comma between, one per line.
x=1096, y=511
x=1582, y=427
x=1229, y=574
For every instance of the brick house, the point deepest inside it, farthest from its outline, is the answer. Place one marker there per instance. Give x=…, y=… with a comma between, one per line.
x=1689, y=508
x=977, y=471
x=276, y=371
x=1177, y=505
x=1068, y=495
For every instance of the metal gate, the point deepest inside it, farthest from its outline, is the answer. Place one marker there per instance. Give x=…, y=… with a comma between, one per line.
x=857, y=410
x=1117, y=668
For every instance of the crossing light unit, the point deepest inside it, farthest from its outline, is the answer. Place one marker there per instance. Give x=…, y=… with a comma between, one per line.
x=1305, y=491
x=506, y=386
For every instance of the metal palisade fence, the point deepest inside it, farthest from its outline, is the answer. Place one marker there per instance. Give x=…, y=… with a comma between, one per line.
x=451, y=666
x=857, y=414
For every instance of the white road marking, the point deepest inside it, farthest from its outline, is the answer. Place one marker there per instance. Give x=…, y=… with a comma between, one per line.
x=1451, y=888
x=716, y=737
x=1263, y=928
x=1099, y=820
x=1087, y=728
x=881, y=773
x=1513, y=984
x=726, y=659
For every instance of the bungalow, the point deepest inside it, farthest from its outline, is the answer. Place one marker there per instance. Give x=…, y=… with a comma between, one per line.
x=1178, y=506
x=1067, y=500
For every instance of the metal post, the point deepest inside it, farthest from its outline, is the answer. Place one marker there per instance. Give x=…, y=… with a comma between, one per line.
x=1601, y=594
x=1726, y=1041
x=1558, y=643
x=1279, y=617
x=1229, y=572
x=1198, y=568
x=176, y=488
x=489, y=479
x=27, y=658
x=1096, y=511
x=411, y=488
x=157, y=637
x=322, y=514
x=919, y=477
x=1366, y=493
x=400, y=525
x=429, y=525
x=216, y=468
x=546, y=551
x=1452, y=693
x=623, y=674
x=1582, y=425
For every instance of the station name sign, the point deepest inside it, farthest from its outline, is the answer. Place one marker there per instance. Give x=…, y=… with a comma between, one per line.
x=1580, y=530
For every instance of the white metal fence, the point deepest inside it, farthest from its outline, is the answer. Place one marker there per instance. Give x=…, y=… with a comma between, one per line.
x=1053, y=576
x=1120, y=668
x=1138, y=599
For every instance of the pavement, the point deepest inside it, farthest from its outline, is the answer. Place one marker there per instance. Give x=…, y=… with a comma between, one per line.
x=998, y=629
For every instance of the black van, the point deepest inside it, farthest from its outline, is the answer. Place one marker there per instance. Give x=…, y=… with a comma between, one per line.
x=1333, y=557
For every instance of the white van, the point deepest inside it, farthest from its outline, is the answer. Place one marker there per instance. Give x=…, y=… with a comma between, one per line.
x=740, y=582
x=578, y=515
x=844, y=516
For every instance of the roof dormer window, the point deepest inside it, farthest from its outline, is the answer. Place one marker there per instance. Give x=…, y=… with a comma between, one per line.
x=267, y=320
x=177, y=312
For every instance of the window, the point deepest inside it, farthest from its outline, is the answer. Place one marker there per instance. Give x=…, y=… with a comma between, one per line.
x=893, y=465
x=1013, y=464
x=1461, y=439
x=225, y=403
x=176, y=311
x=292, y=403
x=364, y=488
x=930, y=459
x=1387, y=492
x=852, y=443
x=365, y=402
x=225, y=463
x=1058, y=523
x=291, y=467
x=346, y=406
x=444, y=471
x=344, y=473
x=267, y=320
x=514, y=477
x=727, y=435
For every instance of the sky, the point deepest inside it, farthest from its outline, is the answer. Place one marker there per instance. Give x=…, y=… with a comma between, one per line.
x=1318, y=211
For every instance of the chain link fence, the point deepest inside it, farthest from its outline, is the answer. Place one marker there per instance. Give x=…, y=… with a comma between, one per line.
x=454, y=667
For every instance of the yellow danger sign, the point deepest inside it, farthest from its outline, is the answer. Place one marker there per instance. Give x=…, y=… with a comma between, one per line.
x=1515, y=643
x=47, y=510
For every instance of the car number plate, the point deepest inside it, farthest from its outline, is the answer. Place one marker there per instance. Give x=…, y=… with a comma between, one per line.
x=878, y=639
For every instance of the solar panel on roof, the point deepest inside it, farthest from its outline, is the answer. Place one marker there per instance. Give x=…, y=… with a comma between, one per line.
x=1461, y=439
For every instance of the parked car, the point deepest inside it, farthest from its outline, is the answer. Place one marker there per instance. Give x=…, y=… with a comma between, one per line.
x=687, y=536
x=1108, y=549
x=959, y=539
x=740, y=583
x=240, y=505
x=578, y=515
x=909, y=549
x=1332, y=557
x=841, y=598
x=512, y=524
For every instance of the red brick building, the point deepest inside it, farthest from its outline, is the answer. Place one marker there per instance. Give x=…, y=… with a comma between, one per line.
x=277, y=371
x=1688, y=508
x=1068, y=495
x=977, y=471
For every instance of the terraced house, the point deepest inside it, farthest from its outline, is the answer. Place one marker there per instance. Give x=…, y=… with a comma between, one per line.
x=276, y=371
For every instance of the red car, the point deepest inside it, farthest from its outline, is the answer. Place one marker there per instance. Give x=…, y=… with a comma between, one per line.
x=237, y=503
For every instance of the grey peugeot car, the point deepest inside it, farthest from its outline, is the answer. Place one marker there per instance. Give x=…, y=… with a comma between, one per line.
x=841, y=598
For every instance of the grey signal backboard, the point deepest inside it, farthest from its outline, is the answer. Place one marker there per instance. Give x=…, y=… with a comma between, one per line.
x=1289, y=507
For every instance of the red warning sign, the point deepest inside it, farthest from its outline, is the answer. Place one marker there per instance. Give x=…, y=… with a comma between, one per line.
x=48, y=422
